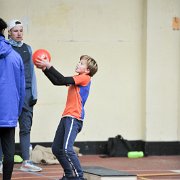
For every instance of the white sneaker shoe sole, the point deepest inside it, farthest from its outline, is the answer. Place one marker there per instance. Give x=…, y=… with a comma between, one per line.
x=30, y=170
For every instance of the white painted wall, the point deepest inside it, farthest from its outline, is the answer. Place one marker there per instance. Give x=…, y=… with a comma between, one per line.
x=136, y=90
x=163, y=71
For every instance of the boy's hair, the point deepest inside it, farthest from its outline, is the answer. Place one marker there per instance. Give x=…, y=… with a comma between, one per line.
x=3, y=25
x=91, y=64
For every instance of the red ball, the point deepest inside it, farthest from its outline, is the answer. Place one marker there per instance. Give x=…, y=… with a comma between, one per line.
x=41, y=53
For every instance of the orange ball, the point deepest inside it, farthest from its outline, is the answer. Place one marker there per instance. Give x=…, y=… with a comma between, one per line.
x=40, y=53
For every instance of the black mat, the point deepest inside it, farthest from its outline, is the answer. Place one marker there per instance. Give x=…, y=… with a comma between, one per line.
x=104, y=172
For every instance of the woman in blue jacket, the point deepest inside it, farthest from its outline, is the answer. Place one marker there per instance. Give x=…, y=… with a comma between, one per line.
x=12, y=92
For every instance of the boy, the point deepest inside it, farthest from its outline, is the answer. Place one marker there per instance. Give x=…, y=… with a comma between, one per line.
x=16, y=36
x=72, y=118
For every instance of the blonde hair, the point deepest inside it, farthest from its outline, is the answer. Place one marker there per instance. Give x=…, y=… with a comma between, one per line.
x=91, y=64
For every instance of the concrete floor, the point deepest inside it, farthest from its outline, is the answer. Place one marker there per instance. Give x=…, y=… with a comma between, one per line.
x=146, y=168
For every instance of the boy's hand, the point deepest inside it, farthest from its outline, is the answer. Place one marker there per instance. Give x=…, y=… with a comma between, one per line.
x=42, y=63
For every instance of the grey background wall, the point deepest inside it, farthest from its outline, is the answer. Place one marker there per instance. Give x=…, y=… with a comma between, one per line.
x=136, y=91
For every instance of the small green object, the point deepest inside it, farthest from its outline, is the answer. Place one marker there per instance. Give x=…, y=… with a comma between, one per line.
x=18, y=159
x=135, y=154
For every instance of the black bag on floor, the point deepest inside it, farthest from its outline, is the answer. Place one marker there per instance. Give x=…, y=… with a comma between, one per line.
x=118, y=147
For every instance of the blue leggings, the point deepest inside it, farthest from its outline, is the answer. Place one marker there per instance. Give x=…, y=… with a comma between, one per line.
x=62, y=147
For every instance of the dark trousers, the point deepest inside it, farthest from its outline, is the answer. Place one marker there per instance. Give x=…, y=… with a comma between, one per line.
x=62, y=147
x=7, y=136
x=25, y=123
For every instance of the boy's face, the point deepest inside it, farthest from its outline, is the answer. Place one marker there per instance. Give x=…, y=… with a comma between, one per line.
x=81, y=67
x=16, y=33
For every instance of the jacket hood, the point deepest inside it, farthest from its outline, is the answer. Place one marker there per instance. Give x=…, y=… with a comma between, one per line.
x=5, y=47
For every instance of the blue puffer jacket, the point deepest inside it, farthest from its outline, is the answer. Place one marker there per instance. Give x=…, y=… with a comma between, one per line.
x=12, y=84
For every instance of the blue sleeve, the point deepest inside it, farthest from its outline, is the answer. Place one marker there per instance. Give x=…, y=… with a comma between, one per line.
x=33, y=75
x=21, y=88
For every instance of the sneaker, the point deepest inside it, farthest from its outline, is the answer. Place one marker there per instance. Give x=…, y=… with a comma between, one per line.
x=1, y=167
x=28, y=166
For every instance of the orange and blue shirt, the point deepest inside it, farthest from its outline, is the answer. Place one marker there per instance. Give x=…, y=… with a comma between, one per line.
x=77, y=96
x=79, y=86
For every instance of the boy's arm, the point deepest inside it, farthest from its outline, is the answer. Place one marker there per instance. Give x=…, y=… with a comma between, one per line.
x=57, y=78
